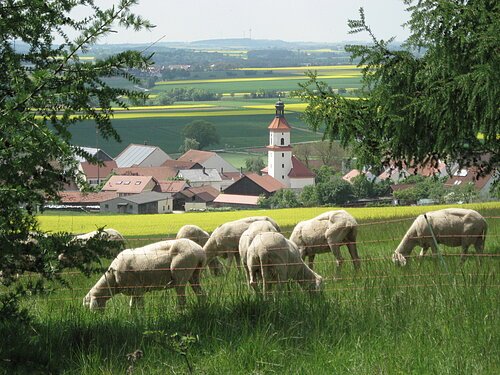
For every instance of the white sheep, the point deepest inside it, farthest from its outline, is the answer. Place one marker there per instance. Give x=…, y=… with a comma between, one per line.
x=225, y=238
x=327, y=232
x=247, y=238
x=451, y=227
x=198, y=235
x=108, y=234
x=165, y=264
x=275, y=259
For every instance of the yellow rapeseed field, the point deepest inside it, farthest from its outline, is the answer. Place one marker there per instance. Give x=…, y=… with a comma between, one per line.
x=167, y=225
x=255, y=79
x=305, y=68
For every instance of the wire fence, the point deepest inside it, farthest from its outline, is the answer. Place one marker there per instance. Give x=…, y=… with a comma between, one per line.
x=368, y=255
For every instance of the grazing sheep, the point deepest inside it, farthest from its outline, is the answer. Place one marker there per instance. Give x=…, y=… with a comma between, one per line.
x=247, y=238
x=225, y=238
x=451, y=227
x=165, y=264
x=275, y=259
x=108, y=234
x=198, y=235
x=327, y=232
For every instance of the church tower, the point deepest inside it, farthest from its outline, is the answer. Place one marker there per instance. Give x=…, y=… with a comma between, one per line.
x=279, y=151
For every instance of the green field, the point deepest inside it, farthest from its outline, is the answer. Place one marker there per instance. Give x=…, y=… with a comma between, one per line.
x=421, y=319
x=236, y=131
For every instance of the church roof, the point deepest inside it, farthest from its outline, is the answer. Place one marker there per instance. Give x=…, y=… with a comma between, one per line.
x=279, y=124
x=299, y=170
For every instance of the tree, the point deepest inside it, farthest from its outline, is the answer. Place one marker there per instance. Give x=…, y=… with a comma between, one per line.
x=435, y=99
x=309, y=196
x=336, y=191
x=44, y=90
x=189, y=144
x=284, y=198
x=203, y=131
x=254, y=164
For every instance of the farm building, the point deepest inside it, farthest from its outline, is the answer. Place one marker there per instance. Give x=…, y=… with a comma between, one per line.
x=282, y=164
x=161, y=173
x=145, y=203
x=79, y=200
x=195, y=198
x=253, y=184
x=95, y=174
x=236, y=201
x=180, y=164
x=207, y=159
x=141, y=156
x=97, y=153
x=201, y=177
x=128, y=185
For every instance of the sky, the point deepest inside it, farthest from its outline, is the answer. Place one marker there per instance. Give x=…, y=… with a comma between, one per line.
x=293, y=20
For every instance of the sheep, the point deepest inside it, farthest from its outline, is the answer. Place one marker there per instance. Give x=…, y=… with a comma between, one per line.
x=451, y=227
x=247, y=238
x=198, y=235
x=107, y=234
x=164, y=264
x=327, y=232
x=276, y=259
x=225, y=238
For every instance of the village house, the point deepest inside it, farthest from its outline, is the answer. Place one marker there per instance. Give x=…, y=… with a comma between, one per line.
x=136, y=155
x=151, y=202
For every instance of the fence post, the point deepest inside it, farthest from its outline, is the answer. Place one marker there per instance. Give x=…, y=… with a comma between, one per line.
x=443, y=263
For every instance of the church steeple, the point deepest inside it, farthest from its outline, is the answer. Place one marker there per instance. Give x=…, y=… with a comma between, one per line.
x=280, y=108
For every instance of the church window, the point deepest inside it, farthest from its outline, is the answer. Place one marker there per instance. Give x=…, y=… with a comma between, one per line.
x=282, y=141
x=282, y=165
x=282, y=154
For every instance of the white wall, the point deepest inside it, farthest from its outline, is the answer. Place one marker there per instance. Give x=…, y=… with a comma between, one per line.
x=155, y=159
x=300, y=183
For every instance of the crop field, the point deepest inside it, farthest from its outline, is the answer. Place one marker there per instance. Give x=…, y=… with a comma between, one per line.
x=422, y=318
x=280, y=78
x=237, y=128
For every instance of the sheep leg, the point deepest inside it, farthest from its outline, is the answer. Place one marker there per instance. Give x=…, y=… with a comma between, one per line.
x=423, y=251
x=180, y=290
x=194, y=281
x=136, y=301
x=311, y=260
x=463, y=256
x=339, y=260
x=353, y=250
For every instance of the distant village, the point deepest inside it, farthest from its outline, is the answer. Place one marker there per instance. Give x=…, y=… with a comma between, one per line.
x=143, y=179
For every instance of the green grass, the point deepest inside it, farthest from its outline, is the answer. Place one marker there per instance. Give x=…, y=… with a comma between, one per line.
x=385, y=320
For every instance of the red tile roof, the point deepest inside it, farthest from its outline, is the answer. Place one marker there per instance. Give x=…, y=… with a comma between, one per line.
x=279, y=124
x=160, y=173
x=92, y=171
x=247, y=200
x=68, y=197
x=351, y=174
x=470, y=177
x=279, y=148
x=128, y=184
x=234, y=176
x=172, y=186
x=196, y=156
x=268, y=183
x=181, y=164
x=299, y=170
x=208, y=192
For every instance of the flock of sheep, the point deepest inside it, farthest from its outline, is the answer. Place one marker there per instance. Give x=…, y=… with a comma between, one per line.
x=266, y=256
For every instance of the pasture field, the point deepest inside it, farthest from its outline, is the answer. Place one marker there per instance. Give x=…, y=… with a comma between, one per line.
x=420, y=319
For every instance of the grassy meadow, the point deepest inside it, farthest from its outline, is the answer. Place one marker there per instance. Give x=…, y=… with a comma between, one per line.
x=420, y=319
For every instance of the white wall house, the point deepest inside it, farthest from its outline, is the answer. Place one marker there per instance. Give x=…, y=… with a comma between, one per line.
x=208, y=159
